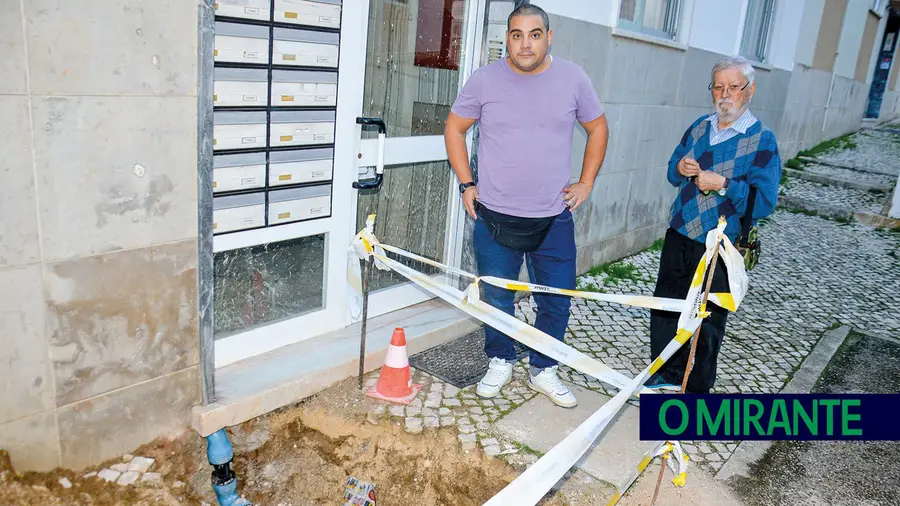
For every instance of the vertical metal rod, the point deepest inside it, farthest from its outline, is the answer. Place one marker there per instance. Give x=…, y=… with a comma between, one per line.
x=205, y=252
x=367, y=276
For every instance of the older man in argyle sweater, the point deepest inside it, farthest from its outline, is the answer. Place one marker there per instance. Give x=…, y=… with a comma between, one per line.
x=719, y=157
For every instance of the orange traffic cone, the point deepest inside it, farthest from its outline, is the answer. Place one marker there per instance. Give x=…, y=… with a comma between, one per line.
x=395, y=381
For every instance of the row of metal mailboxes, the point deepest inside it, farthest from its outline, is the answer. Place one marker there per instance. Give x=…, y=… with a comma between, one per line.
x=240, y=212
x=250, y=88
x=324, y=13
x=244, y=130
x=236, y=43
x=247, y=171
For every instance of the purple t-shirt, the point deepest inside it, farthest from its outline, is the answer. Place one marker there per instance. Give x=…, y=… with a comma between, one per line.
x=525, y=133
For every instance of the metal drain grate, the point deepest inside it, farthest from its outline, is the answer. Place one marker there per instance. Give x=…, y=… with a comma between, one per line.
x=460, y=362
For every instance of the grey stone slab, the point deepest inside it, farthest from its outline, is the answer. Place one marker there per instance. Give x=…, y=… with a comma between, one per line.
x=771, y=88
x=23, y=345
x=109, y=425
x=32, y=442
x=563, y=36
x=540, y=424
x=693, y=89
x=650, y=192
x=121, y=318
x=12, y=47
x=639, y=72
x=19, y=227
x=590, y=50
x=139, y=189
x=143, y=48
x=609, y=215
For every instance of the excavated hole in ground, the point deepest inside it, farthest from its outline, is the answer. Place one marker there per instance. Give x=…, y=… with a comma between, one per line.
x=299, y=455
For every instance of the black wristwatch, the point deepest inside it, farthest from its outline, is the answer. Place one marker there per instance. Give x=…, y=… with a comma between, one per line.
x=464, y=186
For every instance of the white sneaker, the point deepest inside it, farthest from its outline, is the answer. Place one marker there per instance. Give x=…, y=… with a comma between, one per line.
x=549, y=384
x=499, y=373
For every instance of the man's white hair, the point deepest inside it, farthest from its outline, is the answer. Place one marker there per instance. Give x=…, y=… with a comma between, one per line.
x=735, y=62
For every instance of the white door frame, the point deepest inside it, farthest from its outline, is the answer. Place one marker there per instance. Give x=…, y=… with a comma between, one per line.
x=426, y=148
x=351, y=153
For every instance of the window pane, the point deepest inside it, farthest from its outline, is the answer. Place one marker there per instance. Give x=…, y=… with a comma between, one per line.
x=412, y=61
x=752, y=29
x=655, y=14
x=411, y=210
x=627, y=10
x=268, y=283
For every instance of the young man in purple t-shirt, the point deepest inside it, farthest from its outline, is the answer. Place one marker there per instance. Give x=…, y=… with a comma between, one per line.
x=526, y=106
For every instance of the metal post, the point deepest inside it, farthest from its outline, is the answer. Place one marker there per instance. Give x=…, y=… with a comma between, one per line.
x=367, y=276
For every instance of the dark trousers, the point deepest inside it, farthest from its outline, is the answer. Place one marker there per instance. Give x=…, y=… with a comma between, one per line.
x=677, y=264
x=553, y=264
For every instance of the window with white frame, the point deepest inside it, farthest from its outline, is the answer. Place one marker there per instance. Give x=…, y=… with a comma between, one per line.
x=653, y=17
x=758, y=29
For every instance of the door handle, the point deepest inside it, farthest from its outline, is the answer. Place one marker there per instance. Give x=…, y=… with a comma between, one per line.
x=379, y=167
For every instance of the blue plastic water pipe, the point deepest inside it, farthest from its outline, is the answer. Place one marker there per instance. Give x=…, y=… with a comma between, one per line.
x=224, y=481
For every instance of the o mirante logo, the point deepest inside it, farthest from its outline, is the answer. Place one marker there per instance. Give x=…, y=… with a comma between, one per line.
x=769, y=417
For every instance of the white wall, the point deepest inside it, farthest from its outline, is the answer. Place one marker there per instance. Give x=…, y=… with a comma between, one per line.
x=717, y=26
x=851, y=37
x=809, y=31
x=592, y=11
x=786, y=33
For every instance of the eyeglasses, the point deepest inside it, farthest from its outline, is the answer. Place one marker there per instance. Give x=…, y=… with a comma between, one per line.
x=719, y=89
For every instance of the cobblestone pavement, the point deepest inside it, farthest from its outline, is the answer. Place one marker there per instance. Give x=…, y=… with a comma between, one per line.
x=848, y=198
x=851, y=175
x=875, y=149
x=814, y=273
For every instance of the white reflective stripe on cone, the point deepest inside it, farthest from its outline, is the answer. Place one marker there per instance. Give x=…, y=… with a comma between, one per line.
x=396, y=357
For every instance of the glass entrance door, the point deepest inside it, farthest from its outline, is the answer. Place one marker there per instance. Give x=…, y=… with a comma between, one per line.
x=418, y=53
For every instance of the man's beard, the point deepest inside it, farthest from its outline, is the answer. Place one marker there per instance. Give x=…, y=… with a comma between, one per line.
x=727, y=110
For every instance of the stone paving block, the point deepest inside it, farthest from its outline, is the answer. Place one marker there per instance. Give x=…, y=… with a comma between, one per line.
x=128, y=478
x=141, y=464
x=152, y=478
x=413, y=425
x=468, y=441
x=109, y=475
x=492, y=451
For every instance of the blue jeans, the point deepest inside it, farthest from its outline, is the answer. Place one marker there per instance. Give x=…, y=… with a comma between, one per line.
x=553, y=264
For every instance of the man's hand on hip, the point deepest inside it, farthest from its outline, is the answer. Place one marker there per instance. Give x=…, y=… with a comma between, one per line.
x=708, y=180
x=469, y=197
x=576, y=194
x=688, y=167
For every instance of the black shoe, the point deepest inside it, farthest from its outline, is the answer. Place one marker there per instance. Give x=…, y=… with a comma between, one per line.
x=657, y=382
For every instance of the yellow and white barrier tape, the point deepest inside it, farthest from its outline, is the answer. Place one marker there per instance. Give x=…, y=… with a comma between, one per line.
x=534, y=483
x=661, y=449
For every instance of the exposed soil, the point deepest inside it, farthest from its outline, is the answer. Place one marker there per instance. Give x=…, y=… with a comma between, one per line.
x=176, y=460
x=302, y=455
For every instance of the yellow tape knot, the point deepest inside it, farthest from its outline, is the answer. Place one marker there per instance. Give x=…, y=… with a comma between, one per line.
x=680, y=480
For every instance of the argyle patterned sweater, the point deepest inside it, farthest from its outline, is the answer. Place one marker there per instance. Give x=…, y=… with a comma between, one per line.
x=747, y=159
